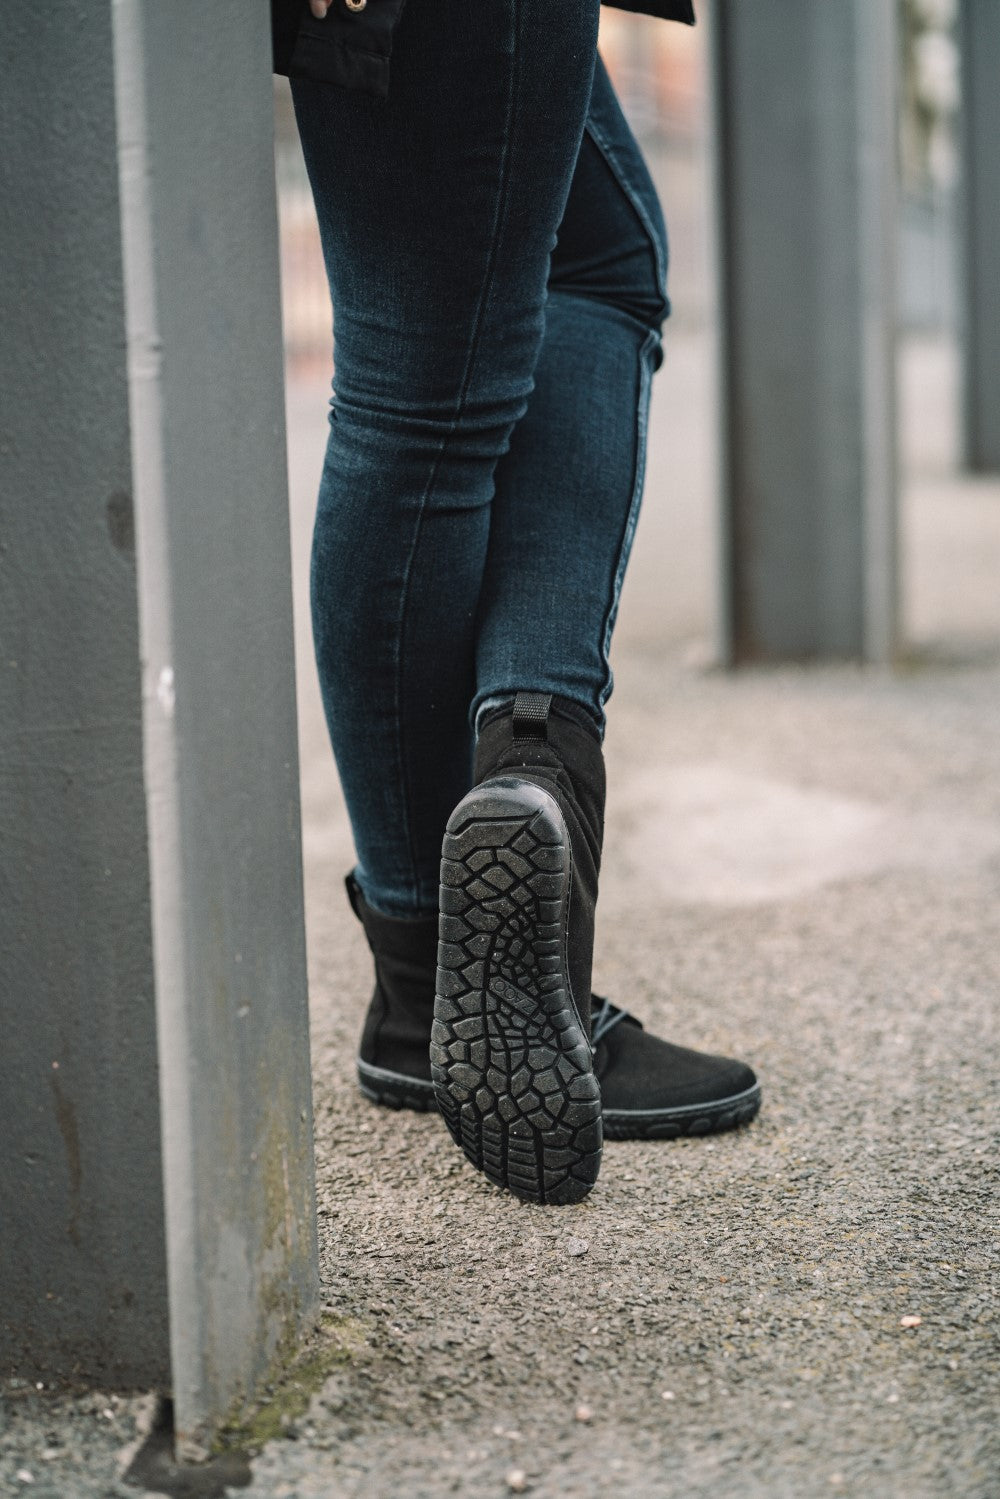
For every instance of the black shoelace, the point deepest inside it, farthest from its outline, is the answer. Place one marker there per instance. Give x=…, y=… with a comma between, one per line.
x=605, y=1020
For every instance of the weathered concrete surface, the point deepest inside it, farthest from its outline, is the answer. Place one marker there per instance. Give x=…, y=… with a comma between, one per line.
x=199, y=233
x=154, y=1063
x=758, y=1278
x=83, y=1279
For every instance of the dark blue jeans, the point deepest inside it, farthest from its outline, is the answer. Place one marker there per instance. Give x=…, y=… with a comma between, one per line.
x=497, y=262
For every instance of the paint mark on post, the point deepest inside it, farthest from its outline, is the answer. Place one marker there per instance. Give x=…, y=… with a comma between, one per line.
x=165, y=691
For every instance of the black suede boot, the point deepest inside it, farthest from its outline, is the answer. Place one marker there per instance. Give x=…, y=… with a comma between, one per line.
x=654, y=1090
x=393, y=1064
x=510, y=1046
x=650, y=1088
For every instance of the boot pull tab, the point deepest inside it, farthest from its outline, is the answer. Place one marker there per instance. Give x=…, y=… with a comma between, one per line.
x=530, y=717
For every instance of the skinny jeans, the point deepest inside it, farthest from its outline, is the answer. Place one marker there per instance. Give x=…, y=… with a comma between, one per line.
x=497, y=262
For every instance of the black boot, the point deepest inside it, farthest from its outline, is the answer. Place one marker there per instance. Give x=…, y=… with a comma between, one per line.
x=393, y=1065
x=510, y=1046
x=650, y=1088
x=654, y=1090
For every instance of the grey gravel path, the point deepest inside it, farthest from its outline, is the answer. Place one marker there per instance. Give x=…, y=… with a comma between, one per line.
x=801, y=867
x=735, y=1323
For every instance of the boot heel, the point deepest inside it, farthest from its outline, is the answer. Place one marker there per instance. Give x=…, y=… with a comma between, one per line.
x=510, y=1060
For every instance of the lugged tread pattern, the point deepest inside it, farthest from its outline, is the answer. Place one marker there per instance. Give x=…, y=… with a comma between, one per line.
x=399, y=1092
x=511, y=1065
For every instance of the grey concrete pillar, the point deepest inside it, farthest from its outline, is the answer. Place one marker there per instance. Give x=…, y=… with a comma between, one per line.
x=156, y=1178
x=980, y=115
x=804, y=130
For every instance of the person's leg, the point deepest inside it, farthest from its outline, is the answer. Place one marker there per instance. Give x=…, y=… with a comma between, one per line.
x=568, y=489
x=507, y=1055
x=511, y=1055
x=438, y=211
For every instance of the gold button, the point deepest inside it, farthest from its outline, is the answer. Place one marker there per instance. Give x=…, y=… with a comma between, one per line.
x=355, y=4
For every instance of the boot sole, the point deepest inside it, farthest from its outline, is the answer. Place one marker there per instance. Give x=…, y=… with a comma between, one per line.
x=395, y=1090
x=511, y=1064
x=688, y=1119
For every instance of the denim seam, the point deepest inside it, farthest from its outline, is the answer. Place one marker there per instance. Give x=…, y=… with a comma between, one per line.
x=503, y=194
x=607, y=150
x=632, y=515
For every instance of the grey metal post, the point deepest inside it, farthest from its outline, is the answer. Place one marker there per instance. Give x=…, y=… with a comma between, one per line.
x=980, y=115
x=82, y=1254
x=156, y=1178
x=804, y=129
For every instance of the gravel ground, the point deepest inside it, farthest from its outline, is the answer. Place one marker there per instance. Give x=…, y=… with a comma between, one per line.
x=802, y=868
x=729, y=1311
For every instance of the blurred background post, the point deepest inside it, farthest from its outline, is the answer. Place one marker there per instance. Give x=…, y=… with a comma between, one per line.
x=980, y=231
x=803, y=109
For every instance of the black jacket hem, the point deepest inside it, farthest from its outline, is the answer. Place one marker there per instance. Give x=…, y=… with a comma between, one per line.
x=352, y=48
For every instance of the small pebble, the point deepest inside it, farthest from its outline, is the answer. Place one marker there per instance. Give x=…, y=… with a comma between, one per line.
x=910, y=1321
x=577, y=1246
x=668, y=1395
x=583, y=1413
x=517, y=1480
x=23, y=1476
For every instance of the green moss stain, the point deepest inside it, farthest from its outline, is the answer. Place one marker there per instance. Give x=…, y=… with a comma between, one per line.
x=294, y=1381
